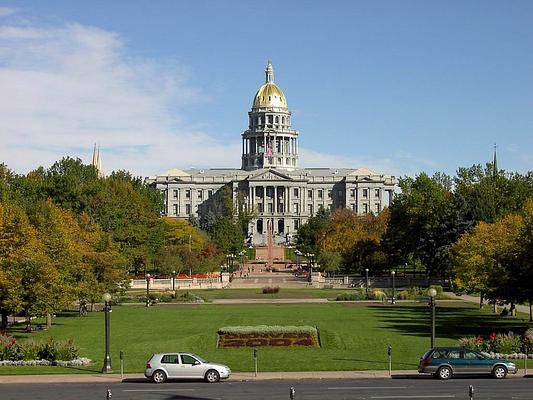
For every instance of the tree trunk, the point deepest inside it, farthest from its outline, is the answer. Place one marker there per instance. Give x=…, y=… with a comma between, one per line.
x=481, y=295
x=28, y=322
x=4, y=322
x=48, y=321
x=530, y=313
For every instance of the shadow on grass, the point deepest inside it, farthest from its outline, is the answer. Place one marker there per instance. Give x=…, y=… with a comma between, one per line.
x=451, y=321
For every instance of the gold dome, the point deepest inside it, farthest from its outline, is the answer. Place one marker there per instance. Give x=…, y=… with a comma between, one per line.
x=270, y=95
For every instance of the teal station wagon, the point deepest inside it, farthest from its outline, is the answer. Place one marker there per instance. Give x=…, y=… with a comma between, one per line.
x=443, y=362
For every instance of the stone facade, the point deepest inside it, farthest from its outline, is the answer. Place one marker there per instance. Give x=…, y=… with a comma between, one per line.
x=269, y=181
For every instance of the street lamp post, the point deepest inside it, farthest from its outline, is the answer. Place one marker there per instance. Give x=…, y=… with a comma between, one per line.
x=432, y=304
x=367, y=283
x=147, y=277
x=298, y=254
x=106, y=369
x=393, y=299
x=242, y=261
x=173, y=280
x=310, y=264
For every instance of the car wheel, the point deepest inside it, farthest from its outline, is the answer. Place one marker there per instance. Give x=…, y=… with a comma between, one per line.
x=499, y=372
x=212, y=376
x=444, y=373
x=159, y=376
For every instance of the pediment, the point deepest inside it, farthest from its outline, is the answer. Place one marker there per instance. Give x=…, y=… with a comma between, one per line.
x=270, y=175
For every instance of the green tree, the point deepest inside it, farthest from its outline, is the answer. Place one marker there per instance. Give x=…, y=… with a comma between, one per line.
x=425, y=220
x=309, y=233
x=330, y=262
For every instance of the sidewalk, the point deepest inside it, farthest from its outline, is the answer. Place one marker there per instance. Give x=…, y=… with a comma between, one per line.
x=237, y=376
x=475, y=299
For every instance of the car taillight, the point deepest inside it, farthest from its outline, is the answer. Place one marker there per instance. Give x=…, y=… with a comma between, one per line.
x=148, y=365
x=427, y=361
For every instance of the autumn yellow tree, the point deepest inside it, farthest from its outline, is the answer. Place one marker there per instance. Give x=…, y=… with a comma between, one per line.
x=356, y=237
x=481, y=259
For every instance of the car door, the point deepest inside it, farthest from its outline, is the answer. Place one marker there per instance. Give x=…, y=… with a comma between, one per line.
x=456, y=359
x=171, y=364
x=478, y=363
x=190, y=367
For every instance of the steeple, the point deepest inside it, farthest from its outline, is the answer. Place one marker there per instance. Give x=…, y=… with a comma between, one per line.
x=269, y=72
x=97, y=162
x=494, y=163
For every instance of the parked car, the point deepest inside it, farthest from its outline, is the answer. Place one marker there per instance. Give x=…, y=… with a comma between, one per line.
x=443, y=362
x=163, y=366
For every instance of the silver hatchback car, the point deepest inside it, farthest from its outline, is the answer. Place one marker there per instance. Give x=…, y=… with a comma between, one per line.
x=163, y=366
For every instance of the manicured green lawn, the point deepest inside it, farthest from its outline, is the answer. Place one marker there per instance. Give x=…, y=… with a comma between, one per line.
x=353, y=336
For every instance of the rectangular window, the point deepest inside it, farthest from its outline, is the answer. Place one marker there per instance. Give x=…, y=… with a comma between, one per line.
x=329, y=194
x=352, y=193
x=320, y=194
x=365, y=208
x=260, y=207
x=296, y=224
x=200, y=194
x=175, y=206
x=377, y=207
x=353, y=207
x=310, y=209
x=187, y=209
x=175, y=193
x=376, y=193
x=295, y=192
x=365, y=193
x=270, y=207
x=295, y=208
x=309, y=194
x=187, y=194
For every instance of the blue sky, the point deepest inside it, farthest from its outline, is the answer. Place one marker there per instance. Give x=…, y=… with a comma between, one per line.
x=397, y=86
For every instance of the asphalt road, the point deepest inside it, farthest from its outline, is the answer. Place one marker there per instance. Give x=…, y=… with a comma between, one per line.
x=519, y=389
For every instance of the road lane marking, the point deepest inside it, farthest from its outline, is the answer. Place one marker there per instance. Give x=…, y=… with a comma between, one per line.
x=365, y=387
x=157, y=390
x=444, y=396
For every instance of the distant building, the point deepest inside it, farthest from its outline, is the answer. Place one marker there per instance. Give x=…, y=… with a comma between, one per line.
x=270, y=181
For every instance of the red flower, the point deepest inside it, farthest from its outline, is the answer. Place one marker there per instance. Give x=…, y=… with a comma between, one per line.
x=492, y=336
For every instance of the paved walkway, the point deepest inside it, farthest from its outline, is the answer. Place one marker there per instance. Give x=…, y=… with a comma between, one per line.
x=238, y=376
x=475, y=299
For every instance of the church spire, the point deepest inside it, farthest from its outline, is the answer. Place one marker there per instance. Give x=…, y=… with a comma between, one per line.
x=269, y=71
x=494, y=163
x=97, y=162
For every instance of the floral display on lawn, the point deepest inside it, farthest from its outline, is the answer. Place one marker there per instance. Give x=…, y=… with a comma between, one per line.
x=32, y=352
x=263, y=335
x=507, y=345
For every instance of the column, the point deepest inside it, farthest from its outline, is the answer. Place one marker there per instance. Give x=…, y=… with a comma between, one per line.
x=289, y=199
x=275, y=199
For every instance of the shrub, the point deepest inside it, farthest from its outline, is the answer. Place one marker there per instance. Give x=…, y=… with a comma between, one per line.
x=266, y=330
x=66, y=350
x=189, y=297
x=30, y=349
x=48, y=351
x=270, y=289
x=472, y=342
x=376, y=294
x=351, y=296
x=528, y=339
x=10, y=349
x=506, y=343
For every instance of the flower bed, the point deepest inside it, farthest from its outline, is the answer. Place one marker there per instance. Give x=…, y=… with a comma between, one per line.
x=501, y=345
x=32, y=352
x=263, y=335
